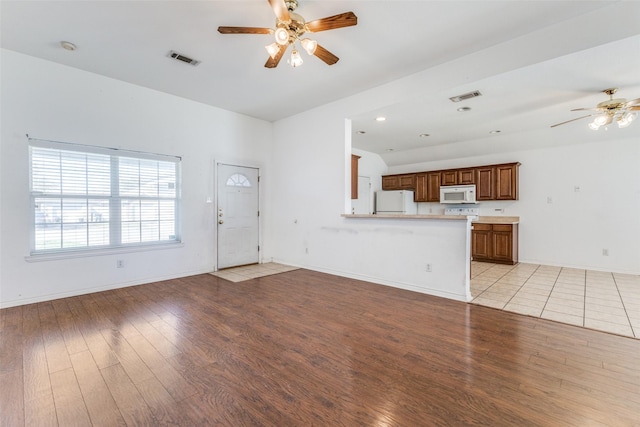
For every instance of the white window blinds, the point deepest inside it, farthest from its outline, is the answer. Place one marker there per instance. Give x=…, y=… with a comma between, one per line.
x=89, y=197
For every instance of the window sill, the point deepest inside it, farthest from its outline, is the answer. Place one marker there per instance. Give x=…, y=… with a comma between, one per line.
x=52, y=256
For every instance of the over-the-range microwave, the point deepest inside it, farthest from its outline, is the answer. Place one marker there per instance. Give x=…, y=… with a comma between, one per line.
x=458, y=194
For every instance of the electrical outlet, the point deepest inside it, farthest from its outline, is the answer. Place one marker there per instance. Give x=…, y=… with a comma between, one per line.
x=428, y=268
x=549, y=200
x=605, y=252
x=120, y=263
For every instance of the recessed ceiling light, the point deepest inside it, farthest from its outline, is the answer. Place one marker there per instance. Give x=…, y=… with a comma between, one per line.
x=495, y=131
x=380, y=119
x=423, y=135
x=361, y=132
x=68, y=45
x=462, y=109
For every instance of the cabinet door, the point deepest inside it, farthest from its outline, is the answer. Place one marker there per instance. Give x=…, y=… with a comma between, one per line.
x=354, y=176
x=485, y=183
x=390, y=182
x=507, y=182
x=449, y=177
x=421, y=188
x=481, y=242
x=433, y=187
x=466, y=176
x=408, y=181
x=502, y=242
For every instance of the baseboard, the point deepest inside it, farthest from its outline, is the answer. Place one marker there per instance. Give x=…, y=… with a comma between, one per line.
x=84, y=291
x=378, y=281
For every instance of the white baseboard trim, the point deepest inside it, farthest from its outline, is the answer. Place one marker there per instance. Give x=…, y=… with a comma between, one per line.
x=378, y=281
x=84, y=291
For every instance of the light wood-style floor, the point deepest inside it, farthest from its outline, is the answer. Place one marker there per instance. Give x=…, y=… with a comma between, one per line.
x=304, y=348
x=598, y=300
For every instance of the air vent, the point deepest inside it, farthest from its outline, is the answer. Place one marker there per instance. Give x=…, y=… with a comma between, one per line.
x=465, y=96
x=179, y=57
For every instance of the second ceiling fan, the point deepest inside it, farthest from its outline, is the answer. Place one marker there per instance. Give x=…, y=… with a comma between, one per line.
x=289, y=29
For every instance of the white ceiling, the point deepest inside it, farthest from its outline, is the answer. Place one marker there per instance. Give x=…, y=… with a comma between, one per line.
x=130, y=40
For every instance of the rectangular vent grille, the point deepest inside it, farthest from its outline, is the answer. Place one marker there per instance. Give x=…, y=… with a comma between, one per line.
x=465, y=96
x=179, y=57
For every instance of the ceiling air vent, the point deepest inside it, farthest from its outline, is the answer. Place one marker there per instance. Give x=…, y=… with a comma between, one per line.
x=465, y=96
x=179, y=57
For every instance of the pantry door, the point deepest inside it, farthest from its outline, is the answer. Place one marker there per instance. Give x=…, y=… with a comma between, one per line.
x=237, y=215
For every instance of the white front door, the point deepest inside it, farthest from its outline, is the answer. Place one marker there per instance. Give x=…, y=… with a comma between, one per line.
x=237, y=215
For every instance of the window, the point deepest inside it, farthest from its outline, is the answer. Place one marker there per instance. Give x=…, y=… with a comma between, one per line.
x=89, y=198
x=238, y=180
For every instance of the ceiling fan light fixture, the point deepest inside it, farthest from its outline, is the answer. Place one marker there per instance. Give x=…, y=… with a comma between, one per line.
x=309, y=45
x=626, y=119
x=273, y=49
x=282, y=35
x=296, y=59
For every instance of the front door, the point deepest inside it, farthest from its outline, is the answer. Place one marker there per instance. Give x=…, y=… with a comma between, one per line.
x=237, y=215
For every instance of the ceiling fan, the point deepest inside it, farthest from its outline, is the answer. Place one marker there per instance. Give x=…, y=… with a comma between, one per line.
x=606, y=112
x=289, y=29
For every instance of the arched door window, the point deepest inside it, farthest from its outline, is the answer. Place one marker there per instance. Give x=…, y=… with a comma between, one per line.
x=238, y=180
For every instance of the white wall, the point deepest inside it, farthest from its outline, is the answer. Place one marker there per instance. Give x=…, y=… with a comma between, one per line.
x=50, y=101
x=306, y=197
x=576, y=226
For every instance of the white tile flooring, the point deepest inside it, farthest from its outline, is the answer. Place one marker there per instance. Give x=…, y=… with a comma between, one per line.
x=247, y=272
x=604, y=301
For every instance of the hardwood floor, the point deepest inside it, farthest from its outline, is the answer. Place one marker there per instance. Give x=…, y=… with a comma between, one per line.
x=304, y=348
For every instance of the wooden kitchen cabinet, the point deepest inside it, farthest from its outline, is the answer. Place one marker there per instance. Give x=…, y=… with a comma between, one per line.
x=507, y=182
x=406, y=181
x=427, y=187
x=354, y=176
x=467, y=176
x=495, y=243
x=486, y=183
x=493, y=182
x=449, y=177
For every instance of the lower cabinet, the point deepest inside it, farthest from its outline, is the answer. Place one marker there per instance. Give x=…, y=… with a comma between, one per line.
x=495, y=243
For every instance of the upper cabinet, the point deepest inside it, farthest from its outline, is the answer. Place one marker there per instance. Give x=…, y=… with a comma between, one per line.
x=427, y=187
x=467, y=176
x=493, y=182
x=405, y=181
x=354, y=176
x=449, y=177
x=507, y=182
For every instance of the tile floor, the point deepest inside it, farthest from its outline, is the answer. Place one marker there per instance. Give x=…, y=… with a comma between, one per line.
x=246, y=272
x=604, y=301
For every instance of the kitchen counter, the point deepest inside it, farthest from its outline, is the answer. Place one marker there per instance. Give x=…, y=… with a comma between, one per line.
x=497, y=220
x=399, y=216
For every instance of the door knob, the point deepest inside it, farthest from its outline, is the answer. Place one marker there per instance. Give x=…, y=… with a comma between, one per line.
x=220, y=221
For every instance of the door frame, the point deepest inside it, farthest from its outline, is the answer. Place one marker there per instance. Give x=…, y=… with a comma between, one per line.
x=214, y=210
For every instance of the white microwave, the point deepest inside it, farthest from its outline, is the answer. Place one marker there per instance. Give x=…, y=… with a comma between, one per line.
x=458, y=194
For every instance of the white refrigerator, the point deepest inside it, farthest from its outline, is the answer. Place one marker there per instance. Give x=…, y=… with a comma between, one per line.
x=398, y=202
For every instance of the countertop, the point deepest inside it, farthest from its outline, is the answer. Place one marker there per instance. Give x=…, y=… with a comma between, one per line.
x=480, y=219
x=497, y=220
x=394, y=216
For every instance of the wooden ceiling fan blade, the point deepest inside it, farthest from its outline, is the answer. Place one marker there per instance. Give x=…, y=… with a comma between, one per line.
x=587, y=109
x=328, y=57
x=634, y=102
x=244, y=30
x=573, y=120
x=634, y=108
x=273, y=62
x=280, y=9
x=346, y=19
